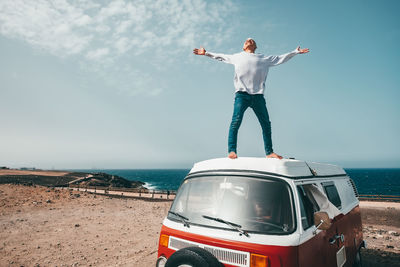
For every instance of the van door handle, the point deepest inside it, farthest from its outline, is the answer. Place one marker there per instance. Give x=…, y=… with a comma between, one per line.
x=333, y=239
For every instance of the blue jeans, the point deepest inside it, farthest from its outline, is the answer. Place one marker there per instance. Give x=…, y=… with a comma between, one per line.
x=257, y=103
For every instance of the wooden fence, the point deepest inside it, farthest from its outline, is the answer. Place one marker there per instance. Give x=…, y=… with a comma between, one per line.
x=379, y=198
x=126, y=192
x=170, y=194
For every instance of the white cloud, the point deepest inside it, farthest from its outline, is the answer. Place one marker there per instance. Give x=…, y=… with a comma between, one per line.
x=123, y=45
x=97, y=54
x=50, y=26
x=105, y=33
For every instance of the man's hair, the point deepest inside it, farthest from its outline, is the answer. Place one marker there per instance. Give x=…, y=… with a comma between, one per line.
x=252, y=42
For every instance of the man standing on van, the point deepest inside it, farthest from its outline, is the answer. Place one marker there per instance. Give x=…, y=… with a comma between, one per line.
x=251, y=71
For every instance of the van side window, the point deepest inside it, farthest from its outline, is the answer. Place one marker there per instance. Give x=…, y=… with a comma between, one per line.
x=332, y=194
x=307, y=208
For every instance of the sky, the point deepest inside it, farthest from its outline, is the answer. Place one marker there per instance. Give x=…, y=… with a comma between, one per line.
x=114, y=84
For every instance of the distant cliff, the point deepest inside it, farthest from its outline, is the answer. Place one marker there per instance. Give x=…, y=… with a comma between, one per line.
x=64, y=178
x=107, y=180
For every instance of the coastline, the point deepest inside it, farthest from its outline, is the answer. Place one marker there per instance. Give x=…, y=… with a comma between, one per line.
x=42, y=226
x=372, y=184
x=66, y=178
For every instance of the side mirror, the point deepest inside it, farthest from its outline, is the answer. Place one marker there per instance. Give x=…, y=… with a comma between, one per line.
x=322, y=221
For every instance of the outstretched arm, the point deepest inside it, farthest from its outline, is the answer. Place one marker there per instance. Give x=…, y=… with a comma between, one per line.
x=220, y=57
x=276, y=60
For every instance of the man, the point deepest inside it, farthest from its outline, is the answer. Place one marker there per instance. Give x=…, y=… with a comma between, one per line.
x=251, y=71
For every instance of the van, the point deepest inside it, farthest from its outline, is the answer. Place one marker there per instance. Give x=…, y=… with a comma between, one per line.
x=263, y=212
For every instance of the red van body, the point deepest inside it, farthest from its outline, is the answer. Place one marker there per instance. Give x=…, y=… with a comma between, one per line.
x=261, y=212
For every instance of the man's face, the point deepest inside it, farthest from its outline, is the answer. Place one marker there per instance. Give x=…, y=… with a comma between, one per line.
x=250, y=44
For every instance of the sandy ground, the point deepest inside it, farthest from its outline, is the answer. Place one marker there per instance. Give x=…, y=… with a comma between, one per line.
x=42, y=227
x=381, y=230
x=45, y=227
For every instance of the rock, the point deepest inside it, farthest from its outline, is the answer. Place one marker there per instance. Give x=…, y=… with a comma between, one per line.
x=108, y=180
x=389, y=246
x=394, y=233
x=77, y=225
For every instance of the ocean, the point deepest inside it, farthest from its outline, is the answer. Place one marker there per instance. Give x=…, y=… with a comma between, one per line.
x=368, y=181
x=376, y=181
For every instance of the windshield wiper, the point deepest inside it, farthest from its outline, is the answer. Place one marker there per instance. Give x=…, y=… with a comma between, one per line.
x=235, y=226
x=183, y=219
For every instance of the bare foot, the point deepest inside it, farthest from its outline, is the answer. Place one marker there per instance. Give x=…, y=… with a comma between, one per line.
x=232, y=155
x=274, y=155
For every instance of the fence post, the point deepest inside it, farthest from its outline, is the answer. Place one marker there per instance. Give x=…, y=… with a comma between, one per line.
x=152, y=196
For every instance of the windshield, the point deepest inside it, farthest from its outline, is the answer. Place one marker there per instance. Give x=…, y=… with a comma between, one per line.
x=256, y=205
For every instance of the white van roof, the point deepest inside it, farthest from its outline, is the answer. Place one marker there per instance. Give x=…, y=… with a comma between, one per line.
x=283, y=167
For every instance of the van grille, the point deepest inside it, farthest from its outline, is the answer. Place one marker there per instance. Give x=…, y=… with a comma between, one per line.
x=228, y=256
x=352, y=184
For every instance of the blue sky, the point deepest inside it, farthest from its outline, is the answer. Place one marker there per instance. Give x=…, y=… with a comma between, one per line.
x=114, y=84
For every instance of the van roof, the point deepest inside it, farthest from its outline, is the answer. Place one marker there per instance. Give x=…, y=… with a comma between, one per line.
x=285, y=167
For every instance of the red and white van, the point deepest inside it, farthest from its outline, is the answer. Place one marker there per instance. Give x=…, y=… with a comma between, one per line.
x=263, y=212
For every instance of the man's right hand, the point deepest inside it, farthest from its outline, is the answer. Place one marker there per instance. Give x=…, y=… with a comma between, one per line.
x=302, y=51
x=200, y=51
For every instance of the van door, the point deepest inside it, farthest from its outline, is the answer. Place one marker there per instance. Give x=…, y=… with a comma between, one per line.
x=336, y=239
x=316, y=247
x=340, y=238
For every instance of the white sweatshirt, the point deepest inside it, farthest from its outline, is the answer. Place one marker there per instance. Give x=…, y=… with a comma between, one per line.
x=251, y=69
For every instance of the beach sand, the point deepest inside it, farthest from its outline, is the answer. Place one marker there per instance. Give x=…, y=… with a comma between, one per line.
x=40, y=226
x=44, y=227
